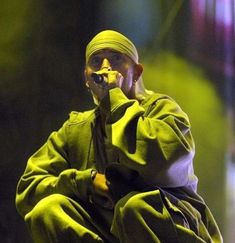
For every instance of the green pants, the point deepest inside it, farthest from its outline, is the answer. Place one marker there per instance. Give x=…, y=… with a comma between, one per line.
x=137, y=218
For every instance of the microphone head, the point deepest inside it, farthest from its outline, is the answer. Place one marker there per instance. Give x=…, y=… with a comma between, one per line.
x=98, y=78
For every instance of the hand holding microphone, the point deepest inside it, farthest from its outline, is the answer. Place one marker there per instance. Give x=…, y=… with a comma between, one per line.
x=107, y=77
x=100, y=76
x=102, y=81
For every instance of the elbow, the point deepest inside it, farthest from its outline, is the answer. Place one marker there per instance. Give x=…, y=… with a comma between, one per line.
x=21, y=208
x=22, y=199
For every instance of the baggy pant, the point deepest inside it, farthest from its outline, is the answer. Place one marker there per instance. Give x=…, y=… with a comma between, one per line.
x=137, y=218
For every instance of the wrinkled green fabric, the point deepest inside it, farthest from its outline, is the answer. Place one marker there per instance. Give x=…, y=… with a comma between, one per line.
x=113, y=40
x=151, y=139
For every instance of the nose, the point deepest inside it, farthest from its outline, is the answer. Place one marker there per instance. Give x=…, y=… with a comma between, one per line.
x=106, y=64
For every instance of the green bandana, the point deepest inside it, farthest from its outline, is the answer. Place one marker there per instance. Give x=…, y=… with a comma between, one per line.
x=113, y=40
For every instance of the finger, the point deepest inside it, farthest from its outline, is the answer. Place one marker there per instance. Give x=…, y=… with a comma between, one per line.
x=114, y=77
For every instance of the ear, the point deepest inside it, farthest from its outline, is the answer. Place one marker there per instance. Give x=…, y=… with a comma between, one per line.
x=138, y=71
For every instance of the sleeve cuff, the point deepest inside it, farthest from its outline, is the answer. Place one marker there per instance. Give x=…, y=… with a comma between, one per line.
x=113, y=99
x=83, y=183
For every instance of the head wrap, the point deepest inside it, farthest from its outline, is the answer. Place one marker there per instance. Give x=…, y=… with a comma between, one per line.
x=113, y=40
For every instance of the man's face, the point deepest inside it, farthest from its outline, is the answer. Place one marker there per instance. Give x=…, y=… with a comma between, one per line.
x=108, y=59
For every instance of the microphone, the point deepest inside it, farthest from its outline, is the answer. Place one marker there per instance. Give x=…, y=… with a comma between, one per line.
x=98, y=78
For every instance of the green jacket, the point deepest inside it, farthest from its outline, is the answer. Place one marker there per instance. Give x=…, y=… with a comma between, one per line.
x=151, y=138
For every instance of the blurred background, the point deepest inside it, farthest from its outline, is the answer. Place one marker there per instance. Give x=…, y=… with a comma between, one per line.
x=187, y=48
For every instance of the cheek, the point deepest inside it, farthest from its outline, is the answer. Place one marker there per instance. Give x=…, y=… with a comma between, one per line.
x=128, y=80
x=130, y=74
x=126, y=71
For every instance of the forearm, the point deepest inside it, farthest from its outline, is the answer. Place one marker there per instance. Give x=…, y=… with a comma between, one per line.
x=48, y=171
x=70, y=182
x=153, y=140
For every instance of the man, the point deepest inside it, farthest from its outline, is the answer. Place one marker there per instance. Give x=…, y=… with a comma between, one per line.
x=121, y=172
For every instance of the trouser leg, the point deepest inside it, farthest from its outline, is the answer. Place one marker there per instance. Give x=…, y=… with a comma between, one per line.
x=57, y=218
x=143, y=217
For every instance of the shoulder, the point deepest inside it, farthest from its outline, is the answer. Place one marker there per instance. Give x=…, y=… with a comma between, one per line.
x=156, y=97
x=163, y=104
x=76, y=117
x=77, y=123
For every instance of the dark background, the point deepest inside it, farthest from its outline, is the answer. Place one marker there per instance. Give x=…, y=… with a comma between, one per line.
x=42, y=47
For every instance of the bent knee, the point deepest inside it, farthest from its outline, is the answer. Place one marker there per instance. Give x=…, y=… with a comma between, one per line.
x=46, y=206
x=138, y=203
x=129, y=205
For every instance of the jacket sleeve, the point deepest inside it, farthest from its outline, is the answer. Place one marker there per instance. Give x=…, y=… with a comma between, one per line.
x=153, y=139
x=48, y=171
